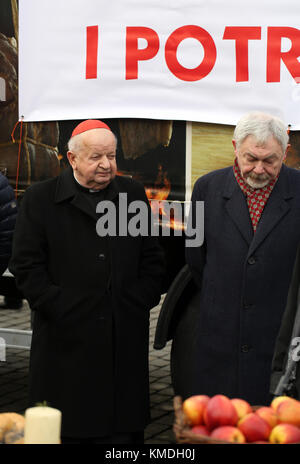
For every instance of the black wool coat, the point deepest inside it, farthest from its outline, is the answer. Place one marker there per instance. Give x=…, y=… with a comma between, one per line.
x=226, y=327
x=8, y=214
x=91, y=298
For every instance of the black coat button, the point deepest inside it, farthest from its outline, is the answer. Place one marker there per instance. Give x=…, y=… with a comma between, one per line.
x=245, y=348
x=251, y=260
x=248, y=306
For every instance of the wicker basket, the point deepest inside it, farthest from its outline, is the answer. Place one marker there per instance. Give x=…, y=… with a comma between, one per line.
x=183, y=432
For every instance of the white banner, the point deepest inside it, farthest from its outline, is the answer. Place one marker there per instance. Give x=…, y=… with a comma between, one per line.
x=193, y=60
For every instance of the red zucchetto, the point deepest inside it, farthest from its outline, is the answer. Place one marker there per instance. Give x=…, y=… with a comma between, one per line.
x=88, y=125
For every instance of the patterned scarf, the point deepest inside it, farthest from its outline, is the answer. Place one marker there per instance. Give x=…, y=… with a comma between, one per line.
x=256, y=198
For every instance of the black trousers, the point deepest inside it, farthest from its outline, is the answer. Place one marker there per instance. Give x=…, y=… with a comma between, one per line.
x=134, y=438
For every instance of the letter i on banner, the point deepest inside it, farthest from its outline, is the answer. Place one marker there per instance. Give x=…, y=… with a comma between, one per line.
x=91, y=52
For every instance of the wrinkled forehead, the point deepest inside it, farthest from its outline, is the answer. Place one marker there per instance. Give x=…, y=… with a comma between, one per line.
x=271, y=144
x=97, y=139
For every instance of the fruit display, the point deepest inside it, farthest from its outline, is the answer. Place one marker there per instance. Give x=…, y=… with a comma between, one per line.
x=219, y=419
x=12, y=428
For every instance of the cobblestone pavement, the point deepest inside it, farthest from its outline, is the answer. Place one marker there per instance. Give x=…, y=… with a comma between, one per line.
x=14, y=375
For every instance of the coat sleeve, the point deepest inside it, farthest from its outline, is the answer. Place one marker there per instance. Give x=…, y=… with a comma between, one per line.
x=187, y=282
x=29, y=254
x=285, y=332
x=8, y=214
x=176, y=300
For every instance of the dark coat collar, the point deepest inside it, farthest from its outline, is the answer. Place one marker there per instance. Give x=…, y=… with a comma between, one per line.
x=66, y=187
x=275, y=209
x=66, y=190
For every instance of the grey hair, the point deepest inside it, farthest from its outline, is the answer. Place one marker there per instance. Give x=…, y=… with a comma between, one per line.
x=261, y=126
x=75, y=143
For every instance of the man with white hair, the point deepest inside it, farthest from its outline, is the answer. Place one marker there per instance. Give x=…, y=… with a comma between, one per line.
x=224, y=340
x=91, y=294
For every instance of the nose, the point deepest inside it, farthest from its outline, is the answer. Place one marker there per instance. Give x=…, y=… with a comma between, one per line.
x=259, y=168
x=104, y=162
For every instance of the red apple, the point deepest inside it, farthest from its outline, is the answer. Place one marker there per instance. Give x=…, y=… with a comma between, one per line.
x=193, y=407
x=200, y=430
x=220, y=411
x=254, y=428
x=289, y=412
x=267, y=414
x=242, y=407
x=285, y=433
x=228, y=433
x=276, y=401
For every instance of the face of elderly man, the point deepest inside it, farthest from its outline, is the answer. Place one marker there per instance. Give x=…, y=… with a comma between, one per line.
x=259, y=164
x=94, y=161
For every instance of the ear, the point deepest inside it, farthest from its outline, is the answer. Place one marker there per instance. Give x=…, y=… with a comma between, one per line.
x=72, y=159
x=234, y=145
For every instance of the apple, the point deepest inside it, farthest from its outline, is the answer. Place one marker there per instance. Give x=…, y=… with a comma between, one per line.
x=193, y=407
x=242, y=407
x=276, y=401
x=228, y=433
x=220, y=411
x=289, y=412
x=254, y=428
x=200, y=430
x=267, y=414
x=285, y=433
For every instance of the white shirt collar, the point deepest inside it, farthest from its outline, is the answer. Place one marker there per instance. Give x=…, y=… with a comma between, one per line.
x=90, y=190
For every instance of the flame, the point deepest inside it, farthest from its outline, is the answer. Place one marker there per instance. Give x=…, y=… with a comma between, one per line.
x=160, y=192
x=161, y=187
x=160, y=209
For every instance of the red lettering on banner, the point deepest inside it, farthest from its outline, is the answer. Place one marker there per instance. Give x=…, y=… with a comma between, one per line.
x=91, y=52
x=275, y=55
x=242, y=35
x=210, y=53
x=134, y=54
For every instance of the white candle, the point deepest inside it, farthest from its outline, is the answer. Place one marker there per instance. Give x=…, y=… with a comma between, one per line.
x=42, y=426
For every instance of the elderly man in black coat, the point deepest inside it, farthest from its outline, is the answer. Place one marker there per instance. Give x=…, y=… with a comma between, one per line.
x=230, y=312
x=8, y=213
x=91, y=292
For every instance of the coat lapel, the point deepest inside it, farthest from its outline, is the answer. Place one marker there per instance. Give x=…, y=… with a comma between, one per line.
x=275, y=209
x=237, y=208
